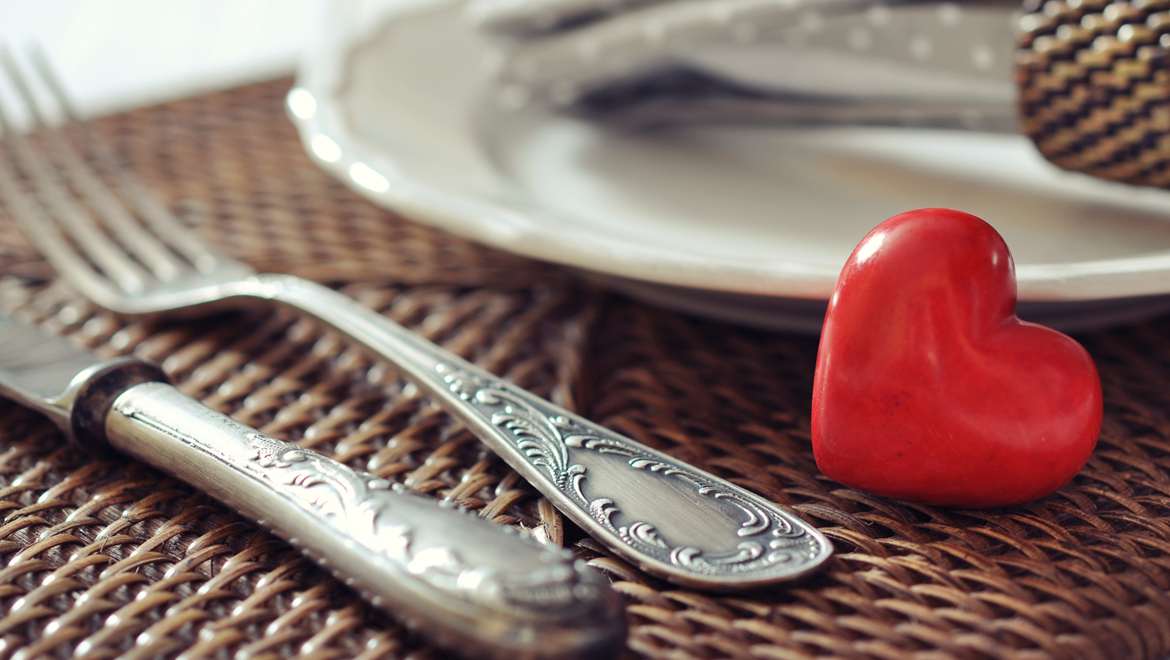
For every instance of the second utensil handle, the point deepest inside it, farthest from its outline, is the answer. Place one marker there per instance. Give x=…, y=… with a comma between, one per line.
x=663, y=515
x=472, y=585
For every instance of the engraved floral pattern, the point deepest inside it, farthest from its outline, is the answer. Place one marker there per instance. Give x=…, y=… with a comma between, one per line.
x=772, y=541
x=351, y=501
x=364, y=509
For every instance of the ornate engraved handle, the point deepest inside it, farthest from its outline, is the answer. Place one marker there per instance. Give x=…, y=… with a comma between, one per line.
x=464, y=581
x=667, y=517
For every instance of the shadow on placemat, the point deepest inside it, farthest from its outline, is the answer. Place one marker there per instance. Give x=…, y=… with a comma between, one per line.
x=109, y=558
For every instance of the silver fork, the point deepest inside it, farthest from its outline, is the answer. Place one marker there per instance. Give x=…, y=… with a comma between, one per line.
x=663, y=515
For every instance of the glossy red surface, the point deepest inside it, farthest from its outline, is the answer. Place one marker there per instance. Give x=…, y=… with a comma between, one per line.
x=929, y=389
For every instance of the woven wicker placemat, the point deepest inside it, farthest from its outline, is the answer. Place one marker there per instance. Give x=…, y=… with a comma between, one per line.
x=109, y=558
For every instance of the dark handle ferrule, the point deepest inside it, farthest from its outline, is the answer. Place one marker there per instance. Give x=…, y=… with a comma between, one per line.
x=94, y=397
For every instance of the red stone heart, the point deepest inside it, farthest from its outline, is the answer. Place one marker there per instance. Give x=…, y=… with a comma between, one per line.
x=928, y=387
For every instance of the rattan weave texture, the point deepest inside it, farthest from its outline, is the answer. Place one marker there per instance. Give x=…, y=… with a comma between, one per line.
x=1094, y=86
x=101, y=559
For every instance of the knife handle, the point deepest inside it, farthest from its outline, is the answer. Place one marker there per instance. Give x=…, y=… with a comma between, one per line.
x=656, y=511
x=480, y=588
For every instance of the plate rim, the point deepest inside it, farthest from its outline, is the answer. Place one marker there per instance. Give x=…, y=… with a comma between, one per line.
x=322, y=73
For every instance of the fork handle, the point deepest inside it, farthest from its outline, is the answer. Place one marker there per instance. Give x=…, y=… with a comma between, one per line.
x=667, y=517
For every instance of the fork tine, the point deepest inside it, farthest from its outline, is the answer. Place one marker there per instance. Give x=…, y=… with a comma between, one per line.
x=55, y=196
x=43, y=233
x=164, y=223
x=145, y=247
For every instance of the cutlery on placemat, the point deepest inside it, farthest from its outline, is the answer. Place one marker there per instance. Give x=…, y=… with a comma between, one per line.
x=473, y=586
x=663, y=515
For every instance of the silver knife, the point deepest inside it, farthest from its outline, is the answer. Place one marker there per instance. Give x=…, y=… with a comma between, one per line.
x=472, y=586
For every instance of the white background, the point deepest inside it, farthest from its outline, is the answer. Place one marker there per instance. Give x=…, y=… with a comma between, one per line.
x=118, y=54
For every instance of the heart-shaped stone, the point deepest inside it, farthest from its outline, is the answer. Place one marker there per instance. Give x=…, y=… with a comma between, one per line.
x=928, y=387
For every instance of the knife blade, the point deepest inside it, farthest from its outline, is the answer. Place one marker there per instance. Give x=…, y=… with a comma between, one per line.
x=472, y=586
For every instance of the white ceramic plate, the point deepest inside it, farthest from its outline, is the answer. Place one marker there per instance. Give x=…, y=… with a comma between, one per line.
x=747, y=224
